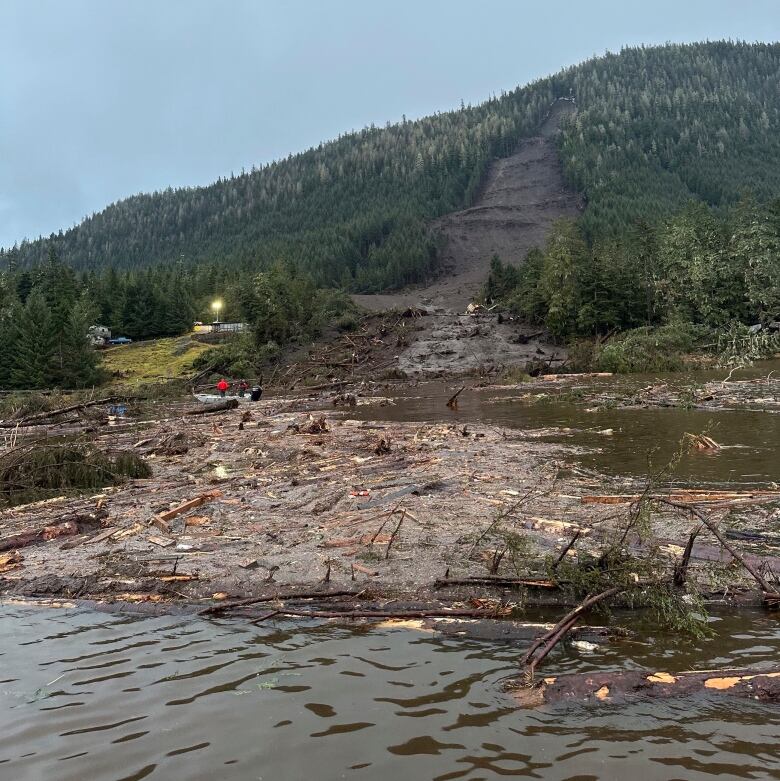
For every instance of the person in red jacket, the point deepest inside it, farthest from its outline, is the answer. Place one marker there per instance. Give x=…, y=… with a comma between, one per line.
x=222, y=387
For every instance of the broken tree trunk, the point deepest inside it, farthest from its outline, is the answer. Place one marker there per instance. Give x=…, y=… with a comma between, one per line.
x=767, y=589
x=762, y=685
x=217, y=406
x=453, y=401
x=681, y=571
x=548, y=641
x=40, y=416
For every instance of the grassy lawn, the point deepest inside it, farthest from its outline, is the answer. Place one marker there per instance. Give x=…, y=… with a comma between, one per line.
x=157, y=359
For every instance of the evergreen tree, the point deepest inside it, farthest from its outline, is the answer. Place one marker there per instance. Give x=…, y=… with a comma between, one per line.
x=82, y=366
x=755, y=253
x=33, y=344
x=565, y=261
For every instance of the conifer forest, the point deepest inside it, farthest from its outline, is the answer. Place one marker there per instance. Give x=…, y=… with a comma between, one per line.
x=675, y=151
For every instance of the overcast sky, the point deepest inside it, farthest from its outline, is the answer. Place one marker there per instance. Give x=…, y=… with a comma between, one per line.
x=101, y=99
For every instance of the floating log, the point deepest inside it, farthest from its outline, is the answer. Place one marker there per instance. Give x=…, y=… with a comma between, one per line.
x=610, y=687
x=701, y=442
x=685, y=497
x=496, y=581
x=217, y=406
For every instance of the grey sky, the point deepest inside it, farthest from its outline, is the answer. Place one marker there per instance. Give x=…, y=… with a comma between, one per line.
x=101, y=99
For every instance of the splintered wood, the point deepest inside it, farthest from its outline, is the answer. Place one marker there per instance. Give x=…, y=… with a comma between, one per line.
x=188, y=505
x=688, y=497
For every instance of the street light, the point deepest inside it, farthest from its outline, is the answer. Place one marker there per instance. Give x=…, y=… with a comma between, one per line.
x=216, y=306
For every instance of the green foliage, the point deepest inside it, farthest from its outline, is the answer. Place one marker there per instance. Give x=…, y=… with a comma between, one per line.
x=646, y=350
x=282, y=307
x=43, y=342
x=696, y=267
x=20, y=405
x=41, y=469
x=644, y=581
x=655, y=128
x=240, y=357
x=737, y=346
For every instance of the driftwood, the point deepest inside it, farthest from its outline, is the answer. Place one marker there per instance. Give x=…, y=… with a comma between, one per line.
x=34, y=536
x=453, y=401
x=394, y=534
x=572, y=542
x=549, y=640
x=687, y=497
x=9, y=561
x=43, y=416
x=495, y=581
x=681, y=570
x=701, y=442
x=762, y=685
x=762, y=582
x=433, y=613
x=191, y=504
x=217, y=406
x=220, y=608
x=75, y=523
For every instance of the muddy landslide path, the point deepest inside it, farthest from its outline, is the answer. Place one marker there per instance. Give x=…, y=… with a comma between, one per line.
x=522, y=197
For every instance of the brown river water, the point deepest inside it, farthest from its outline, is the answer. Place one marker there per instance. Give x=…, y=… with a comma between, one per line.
x=103, y=697
x=89, y=696
x=641, y=440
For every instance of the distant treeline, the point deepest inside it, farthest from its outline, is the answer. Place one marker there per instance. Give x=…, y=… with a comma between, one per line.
x=45, y=314
x=698, y=267
x=655, y=128
x=665, y=145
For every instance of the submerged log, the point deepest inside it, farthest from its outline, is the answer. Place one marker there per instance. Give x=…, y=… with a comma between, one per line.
x=763, y=685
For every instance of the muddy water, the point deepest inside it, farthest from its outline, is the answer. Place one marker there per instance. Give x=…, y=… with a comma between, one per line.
x=619, y=441
x=102, y=697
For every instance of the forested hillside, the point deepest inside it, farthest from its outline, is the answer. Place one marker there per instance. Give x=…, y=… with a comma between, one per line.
x=655, y=127
x=675, y=150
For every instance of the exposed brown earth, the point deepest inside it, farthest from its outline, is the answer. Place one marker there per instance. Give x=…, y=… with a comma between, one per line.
x=522, y=197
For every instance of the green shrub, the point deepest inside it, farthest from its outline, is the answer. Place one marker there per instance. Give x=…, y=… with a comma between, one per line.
x=647, y=349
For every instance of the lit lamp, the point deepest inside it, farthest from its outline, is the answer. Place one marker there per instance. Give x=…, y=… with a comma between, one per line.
x=217, y=306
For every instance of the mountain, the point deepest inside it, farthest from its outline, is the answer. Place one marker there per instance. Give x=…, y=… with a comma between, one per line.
x=654, y=128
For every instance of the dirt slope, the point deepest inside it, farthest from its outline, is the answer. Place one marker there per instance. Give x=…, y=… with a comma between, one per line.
x=522, y=196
